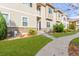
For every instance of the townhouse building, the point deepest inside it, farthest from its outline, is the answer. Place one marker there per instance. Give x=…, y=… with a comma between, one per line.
x=22, y=16
x=75, y=23
x=61, y=17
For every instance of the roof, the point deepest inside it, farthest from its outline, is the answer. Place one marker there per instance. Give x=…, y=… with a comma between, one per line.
x=77, y=19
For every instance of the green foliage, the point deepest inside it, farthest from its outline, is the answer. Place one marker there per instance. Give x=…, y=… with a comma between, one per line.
x=58, y=27
x=23, y=46
x=3, y=27
x=32, y=31
x=75, y=41
x=68, y=30
x=62, y=34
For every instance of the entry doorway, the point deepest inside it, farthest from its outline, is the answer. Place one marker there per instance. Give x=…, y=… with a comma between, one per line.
x=38, y=24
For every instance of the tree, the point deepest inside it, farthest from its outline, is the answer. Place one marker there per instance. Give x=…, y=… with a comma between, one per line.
x=3, y=27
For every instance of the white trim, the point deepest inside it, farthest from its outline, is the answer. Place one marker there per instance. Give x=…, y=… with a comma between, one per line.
x=18, y=11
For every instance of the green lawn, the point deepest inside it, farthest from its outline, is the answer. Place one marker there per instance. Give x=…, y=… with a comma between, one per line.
x=23, y=47
x=76, y=40
x=63, y=34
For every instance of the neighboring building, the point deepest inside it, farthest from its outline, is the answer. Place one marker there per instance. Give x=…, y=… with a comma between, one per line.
x=75, y=22
x=61, y=17
x=22, y=16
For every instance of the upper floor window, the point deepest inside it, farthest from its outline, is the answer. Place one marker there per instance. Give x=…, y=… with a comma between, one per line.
x=50, y=10
x=59, y=15
x=64, y=19
x=6, y=16
x=28, y=4
x=25, y=21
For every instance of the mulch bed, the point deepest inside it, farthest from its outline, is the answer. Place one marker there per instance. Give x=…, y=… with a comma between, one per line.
x=73, y=49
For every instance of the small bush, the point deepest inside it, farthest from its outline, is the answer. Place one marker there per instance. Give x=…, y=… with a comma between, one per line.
x=58, y=27
x=65, y=30
x=32, y=31
x=68, y=30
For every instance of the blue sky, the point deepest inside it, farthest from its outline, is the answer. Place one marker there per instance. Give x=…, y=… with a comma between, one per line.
x=71, y=9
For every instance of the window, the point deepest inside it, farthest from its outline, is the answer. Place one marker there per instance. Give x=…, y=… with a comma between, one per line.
x=25, y=22
x=48, y=24
x=59, y=15
x=64, y=19
x=28, y=4
x=50, y=10
x=6, y=16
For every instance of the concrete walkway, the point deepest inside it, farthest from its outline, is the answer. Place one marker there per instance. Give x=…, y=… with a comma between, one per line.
x=58, y=47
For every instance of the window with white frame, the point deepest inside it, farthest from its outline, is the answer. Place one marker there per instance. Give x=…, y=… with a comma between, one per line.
x=28, y=4
x=6, y=16
x=48, y=24
x=25, y=21
x=64, y=19
x=50, y=10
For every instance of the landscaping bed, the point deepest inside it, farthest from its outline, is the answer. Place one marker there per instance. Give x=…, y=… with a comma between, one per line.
x=61, y=34
x=23, y=46
x=74, y=47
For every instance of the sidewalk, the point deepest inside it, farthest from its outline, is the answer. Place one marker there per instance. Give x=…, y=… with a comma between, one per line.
x=58, y=47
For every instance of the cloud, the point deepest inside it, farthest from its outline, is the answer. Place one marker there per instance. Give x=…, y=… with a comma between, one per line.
x=71, y=9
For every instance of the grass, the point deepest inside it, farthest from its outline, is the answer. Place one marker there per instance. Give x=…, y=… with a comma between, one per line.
x=23, y=47
x=76, y=40
x=63, y=34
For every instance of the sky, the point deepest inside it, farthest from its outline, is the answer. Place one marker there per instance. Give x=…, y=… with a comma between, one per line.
x=71, y=9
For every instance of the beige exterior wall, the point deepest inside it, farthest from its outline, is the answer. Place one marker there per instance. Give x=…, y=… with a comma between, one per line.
x=61, y=17
x=49, y=16
x=77, y=25
x=16, y=18
x=21, y=7
x=65, y=21
x=43, y=18
x=18, y=10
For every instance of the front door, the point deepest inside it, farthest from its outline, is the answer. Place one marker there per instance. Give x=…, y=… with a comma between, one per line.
x=38, y=25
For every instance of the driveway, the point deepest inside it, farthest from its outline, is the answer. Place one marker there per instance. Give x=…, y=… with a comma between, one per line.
x=58, y=47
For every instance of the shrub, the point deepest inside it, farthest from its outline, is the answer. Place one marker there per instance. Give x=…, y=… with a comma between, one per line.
x=58, y=27
x=68, y=30
x=3, y=27
x=65, y=30
x=32, y=31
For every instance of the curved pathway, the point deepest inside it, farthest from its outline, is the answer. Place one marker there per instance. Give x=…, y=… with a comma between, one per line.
x=58, y=47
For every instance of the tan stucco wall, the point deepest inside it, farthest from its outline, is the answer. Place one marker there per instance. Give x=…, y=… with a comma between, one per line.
x=18, y=10
x=21, y=7
x=49, y=16
x=16, y=18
